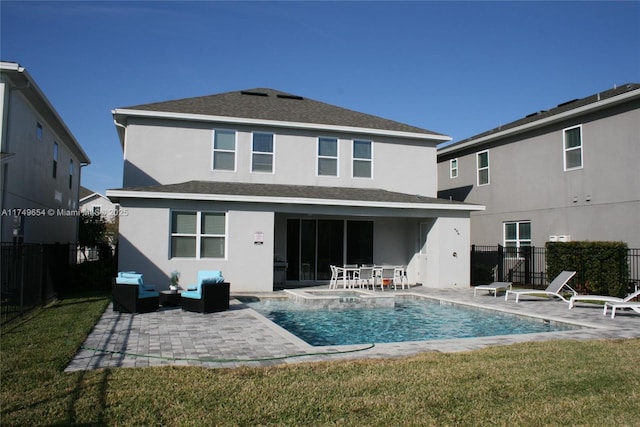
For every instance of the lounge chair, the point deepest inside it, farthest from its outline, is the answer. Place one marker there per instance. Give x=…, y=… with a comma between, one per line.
x=131, y=295
x=553, y=289
x=210, y=294
x=603, y=298
x=633, y=305
x=493, y=287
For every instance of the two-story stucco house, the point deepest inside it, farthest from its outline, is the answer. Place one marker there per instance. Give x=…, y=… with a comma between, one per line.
x=568, y=173
x=41, y=164
x=238, y=180
x=96, y=204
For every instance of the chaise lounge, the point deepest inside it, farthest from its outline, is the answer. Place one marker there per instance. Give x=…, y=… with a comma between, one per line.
x=602, y=298
x=633, y=305
x=210, y=294
x=493, y=287
x=131, y=295
x=553, y=289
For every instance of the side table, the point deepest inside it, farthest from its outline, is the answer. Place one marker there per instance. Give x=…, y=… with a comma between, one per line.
x=170, y=298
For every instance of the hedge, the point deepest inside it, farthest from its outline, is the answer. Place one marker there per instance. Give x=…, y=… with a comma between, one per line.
x=602, y=267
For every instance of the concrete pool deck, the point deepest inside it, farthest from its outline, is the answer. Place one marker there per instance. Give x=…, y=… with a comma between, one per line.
x=242, y=337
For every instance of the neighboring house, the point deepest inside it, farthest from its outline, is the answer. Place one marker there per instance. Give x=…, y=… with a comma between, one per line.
x=97, y=204
x=568, y=173
x=238, y=180
x=41, y=164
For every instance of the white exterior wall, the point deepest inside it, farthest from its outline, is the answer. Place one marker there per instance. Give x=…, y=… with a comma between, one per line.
x=183, y=152
x=27, y=177
x=145, y=246
x=448, y=255
x=108, y=210
x=162, y=152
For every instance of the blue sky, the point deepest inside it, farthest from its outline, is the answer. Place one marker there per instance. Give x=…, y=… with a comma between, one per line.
x=457, y=68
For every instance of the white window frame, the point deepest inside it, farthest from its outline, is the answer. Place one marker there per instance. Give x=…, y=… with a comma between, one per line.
x=271, y=153
x=565, y=150
x=453, y=168
x=479, y=169
x=518, y=241
x=222, y=150
x=336, y=157
x=361, y=159
x=96, y=210
x=198, y=234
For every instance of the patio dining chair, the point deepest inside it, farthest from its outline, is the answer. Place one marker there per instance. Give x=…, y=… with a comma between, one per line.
x=366, y=278
x=387, y=277
x=337, y=276
x=400, y=277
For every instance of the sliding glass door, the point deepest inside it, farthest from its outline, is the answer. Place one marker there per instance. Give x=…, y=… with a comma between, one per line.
x=314, y=244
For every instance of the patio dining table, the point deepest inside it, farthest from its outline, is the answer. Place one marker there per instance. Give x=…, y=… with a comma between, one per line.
x=349, y=274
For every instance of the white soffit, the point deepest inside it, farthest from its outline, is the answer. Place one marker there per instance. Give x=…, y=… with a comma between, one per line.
x=290, y=200
x=277, y=123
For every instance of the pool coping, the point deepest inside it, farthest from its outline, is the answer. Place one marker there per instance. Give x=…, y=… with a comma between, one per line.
x=243, y=337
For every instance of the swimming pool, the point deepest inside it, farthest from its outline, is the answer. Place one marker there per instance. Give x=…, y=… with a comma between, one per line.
x=409, y=319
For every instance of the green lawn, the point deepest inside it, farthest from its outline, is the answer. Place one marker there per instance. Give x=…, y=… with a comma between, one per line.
x=537, y=384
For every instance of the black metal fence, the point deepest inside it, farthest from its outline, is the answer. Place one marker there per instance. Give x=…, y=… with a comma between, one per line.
x=528, y=266
x=32, y=275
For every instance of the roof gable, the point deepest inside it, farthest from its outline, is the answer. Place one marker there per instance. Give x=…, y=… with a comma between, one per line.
x=270, y=104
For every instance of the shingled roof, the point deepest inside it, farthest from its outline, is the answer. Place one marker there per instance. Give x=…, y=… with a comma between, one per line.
x=284, y=192
x=560, y=108
x=270, y=104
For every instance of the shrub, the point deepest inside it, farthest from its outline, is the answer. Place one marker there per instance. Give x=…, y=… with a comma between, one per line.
x=601, y=267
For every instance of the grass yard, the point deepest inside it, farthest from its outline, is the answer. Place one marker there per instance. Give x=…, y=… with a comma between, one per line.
x=552, y=383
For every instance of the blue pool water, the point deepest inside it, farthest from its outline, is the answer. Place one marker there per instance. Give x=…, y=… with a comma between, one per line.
x=409, y=320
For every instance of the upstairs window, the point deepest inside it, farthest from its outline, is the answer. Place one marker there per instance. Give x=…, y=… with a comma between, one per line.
x=573, y=148
x=70, y=174
x=38, y=131
x=55, y=159
x=224, y=150
x=262, y=152
x=198, y=235
x=483, y=167
x=453, y=168
x=362, y=159
x=327, y=156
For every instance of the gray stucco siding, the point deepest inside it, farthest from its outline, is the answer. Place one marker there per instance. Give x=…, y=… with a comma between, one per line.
x=598, y=201
x=29, y=182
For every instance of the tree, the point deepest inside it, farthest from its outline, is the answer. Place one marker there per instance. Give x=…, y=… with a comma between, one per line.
x=92, y=232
